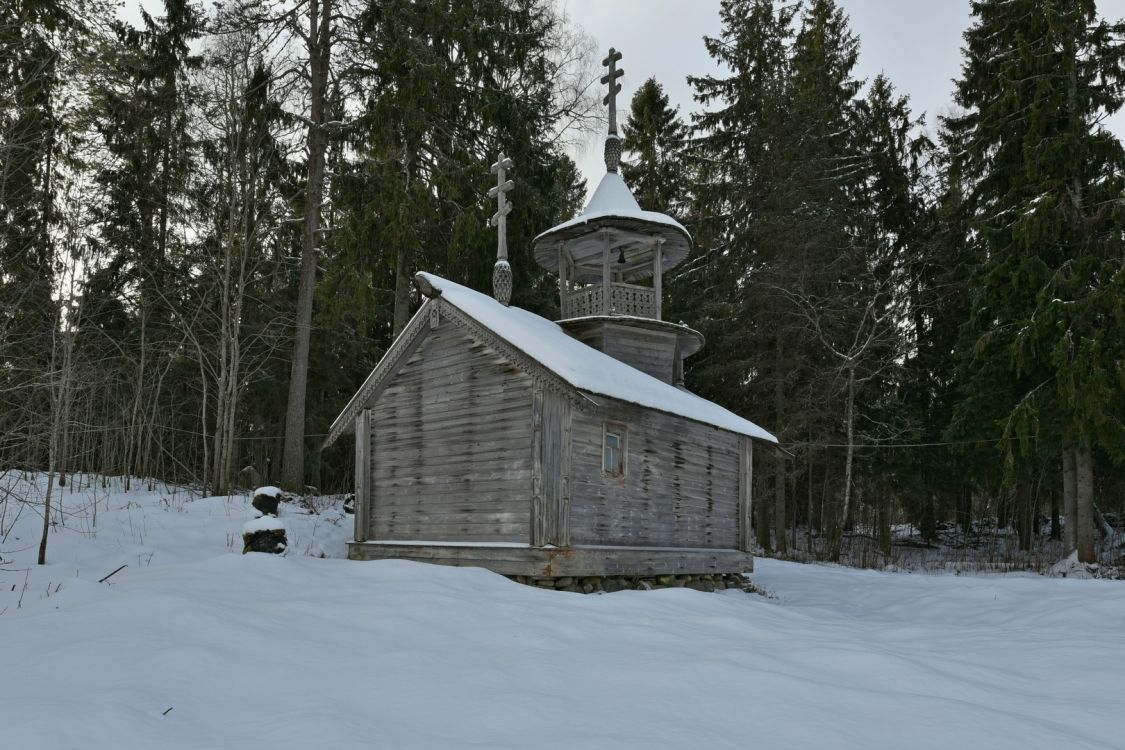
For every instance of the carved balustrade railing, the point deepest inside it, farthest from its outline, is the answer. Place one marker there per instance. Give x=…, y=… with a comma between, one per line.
x=624, y=299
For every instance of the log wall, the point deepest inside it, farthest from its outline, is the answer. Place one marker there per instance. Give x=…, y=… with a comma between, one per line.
x=649, y=351
x=451, y=445
x=680, y=487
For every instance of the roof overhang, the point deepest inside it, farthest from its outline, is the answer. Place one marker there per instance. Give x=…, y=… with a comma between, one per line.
x=584, y=243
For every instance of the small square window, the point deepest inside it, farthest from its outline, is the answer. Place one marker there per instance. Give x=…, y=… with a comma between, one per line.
x=613, y=450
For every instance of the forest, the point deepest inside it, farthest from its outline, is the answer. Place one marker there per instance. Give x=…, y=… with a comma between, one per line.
x=209, y=224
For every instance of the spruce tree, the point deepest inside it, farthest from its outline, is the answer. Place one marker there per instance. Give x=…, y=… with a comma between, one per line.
x=906, y=398
x=452, y=85
x=45, y=49
x=741, y=155
x=806, y=201
x=1040, y=357
x=653, y=142
x=29, y=152
x=738, y=156
x=456, y=84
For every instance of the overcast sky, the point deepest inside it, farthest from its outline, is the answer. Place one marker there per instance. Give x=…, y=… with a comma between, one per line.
x=916, y=43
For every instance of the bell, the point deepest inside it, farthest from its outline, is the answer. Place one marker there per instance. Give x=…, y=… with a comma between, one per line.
x=621, y=255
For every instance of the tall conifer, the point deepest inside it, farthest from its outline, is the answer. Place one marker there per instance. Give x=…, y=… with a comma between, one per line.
x=653, y=141
x=1041, y=353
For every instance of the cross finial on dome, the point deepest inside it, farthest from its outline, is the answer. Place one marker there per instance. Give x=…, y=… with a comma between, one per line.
x=502, y=271
x=614, y=87
x=612, y=143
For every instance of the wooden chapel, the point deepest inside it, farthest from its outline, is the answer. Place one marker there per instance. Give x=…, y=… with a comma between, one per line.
x=489, y=436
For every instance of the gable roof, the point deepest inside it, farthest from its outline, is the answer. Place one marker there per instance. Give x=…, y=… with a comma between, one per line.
x=584, y=367
x=567, y=358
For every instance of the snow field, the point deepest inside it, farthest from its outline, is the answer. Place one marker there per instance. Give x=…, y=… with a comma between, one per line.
x=259, y=651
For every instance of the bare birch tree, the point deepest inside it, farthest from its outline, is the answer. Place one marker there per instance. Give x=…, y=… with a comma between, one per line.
x=860, y=333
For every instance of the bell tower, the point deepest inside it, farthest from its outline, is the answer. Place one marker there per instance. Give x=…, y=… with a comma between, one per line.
x=611, y=260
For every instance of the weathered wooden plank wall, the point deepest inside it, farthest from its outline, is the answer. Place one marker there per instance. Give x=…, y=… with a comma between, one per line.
x=652, y=352
x=449, y=445
x=538, y=470
x=552, y=417
x=363, y=495
x=745, y=493
x=680, y=487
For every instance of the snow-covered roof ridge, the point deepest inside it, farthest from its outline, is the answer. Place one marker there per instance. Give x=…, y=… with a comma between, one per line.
x=583, y=366
x=614, y=199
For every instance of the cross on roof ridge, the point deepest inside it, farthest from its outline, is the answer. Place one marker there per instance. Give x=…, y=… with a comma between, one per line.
x=502, y=271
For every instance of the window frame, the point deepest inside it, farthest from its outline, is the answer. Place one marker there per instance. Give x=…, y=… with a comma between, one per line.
x=621, y=432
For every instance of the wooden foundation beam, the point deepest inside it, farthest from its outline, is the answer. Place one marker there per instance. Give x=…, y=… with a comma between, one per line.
x=562, y=561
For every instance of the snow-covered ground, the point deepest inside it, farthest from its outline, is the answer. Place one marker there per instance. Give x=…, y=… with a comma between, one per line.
x=194, y=645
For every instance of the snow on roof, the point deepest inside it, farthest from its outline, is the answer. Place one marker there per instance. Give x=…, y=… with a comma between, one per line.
x=583, y=366
x=614, y=199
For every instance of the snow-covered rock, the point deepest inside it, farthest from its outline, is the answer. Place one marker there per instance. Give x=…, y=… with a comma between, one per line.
x=265, y=534
x=1070, y=567
x=266, y=499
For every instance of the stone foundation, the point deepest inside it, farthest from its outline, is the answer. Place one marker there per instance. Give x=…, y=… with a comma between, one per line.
x=609, y=584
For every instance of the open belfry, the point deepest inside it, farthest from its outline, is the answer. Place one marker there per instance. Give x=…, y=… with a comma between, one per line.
x=492, y=437
x=611, y=261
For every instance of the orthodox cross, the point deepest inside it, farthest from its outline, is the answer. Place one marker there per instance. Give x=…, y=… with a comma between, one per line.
x=502, y=272
x=614, y=87
x=503, y=207
x=612, y=142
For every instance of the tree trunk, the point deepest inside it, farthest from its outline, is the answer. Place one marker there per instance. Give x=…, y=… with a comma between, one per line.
x=1003, y=509
x=1070, y=500
x=232, y=411
x=134, y=438
x=1023, y=513
x=319, y=48
x=217, y=483
x=849, y=459
x=1056, y=526
x=779, y=510
x=809, y=499
x=792, y=521
x=966, y=511
x=203, y=423
x=762, y=526
x=1084, y=495
x=60, y=403
x=219, y=475
x=885, y=524
x=761, y=514
x=927, y=524
x=42, y=560
x=1083, y=460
